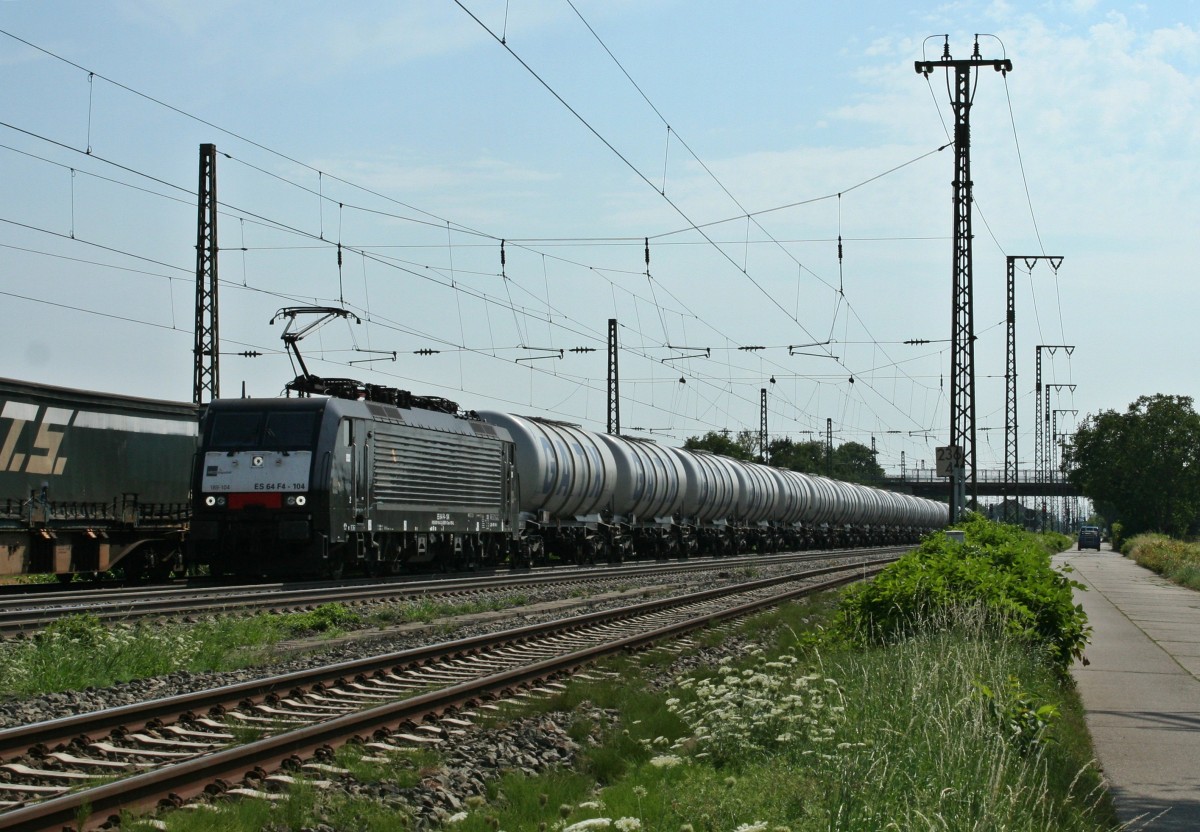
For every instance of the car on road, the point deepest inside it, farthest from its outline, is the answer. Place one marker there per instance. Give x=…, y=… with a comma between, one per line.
x=1089, y=537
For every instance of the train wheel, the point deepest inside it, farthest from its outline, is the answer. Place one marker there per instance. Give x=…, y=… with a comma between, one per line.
x=162, y=571
x=135, y=568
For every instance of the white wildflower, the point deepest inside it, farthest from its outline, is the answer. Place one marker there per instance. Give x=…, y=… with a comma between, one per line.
x=457, y=817
x=590, y=823
x=628, y=824
x=666, y=761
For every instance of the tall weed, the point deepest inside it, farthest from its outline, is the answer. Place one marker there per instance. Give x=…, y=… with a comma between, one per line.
x=1175, y=560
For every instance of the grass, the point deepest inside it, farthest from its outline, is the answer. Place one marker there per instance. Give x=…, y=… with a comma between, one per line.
x=937, y=750
x=1175, y=560
x=80, y=651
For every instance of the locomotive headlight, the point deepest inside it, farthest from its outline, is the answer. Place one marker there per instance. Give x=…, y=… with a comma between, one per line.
x=301, y=500
x=291, y=501
x=220, y=501
x=210, y=501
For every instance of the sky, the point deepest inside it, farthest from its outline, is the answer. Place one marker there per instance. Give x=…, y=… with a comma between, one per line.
x=495, y=175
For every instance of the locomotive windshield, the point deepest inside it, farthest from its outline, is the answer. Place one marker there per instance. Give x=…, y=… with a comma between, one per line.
x=272, y=430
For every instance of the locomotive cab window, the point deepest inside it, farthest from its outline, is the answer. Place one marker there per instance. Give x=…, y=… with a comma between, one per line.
x=290, y=430
x=282, y=430
x=234, y=431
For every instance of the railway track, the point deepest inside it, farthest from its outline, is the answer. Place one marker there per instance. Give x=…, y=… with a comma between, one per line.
x=54, y=773
x=24, y=615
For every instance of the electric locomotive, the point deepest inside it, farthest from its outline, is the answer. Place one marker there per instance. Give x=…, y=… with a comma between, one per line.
x=375, y=478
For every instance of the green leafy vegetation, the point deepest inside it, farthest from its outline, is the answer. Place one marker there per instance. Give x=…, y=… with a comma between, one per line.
x=1142, y=467
x=1001, y=570
x=323, y=619
x=31, y=578
x=1173, y=559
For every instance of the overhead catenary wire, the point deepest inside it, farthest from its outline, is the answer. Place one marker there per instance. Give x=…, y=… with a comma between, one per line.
x=549, y=315
x=692, y=224
x=322, y=196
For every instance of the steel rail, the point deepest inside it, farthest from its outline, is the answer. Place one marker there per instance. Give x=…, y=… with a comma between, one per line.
x=187, y=779
x=18, y=617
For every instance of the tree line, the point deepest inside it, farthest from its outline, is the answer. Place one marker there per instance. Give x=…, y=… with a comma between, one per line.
x=1141, y=468
x=850, y=461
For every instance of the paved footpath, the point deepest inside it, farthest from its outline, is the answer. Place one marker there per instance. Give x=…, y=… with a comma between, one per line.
x=1141, y=688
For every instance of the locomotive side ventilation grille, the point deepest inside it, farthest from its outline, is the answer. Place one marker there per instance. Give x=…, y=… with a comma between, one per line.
x=430, y=469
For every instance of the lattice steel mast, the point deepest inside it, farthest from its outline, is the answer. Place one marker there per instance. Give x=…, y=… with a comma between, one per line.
x=1011, y=458
x=962, y=374
x=762, y=426
x=206, y=375
x=614, y=382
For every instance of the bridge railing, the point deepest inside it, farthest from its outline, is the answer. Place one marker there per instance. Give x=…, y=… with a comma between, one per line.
x=982, y=475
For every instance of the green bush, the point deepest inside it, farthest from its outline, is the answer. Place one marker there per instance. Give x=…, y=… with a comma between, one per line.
x=1001, y=570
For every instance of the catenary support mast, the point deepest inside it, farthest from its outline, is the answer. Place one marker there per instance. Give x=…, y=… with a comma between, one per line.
x=1011, y=458
x=962, y=373
x=614, y=382
x=762, y=426
x=206, y=375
